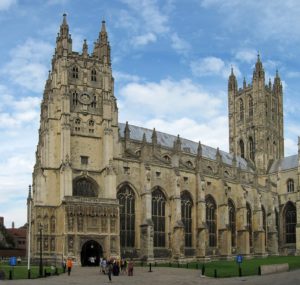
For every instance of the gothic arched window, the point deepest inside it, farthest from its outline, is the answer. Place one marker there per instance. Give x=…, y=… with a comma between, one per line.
x=264, y=220
x=186, y=216
x=290, y=223
x=91, y=126
x=250, y=101
x=84, y=187
x=211, y=221
x=232, y=222
x=249, y=224
x=251, y=149
x=75, y=98
x=52, y=224
x=75, y=72
x=290, y=185
x=127, y=216
x=241, y=103
x=77, y=124
x=242, y=149
x=158, y=217
x=93, y=75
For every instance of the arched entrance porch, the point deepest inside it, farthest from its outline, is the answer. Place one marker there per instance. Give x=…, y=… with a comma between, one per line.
x=91, y=252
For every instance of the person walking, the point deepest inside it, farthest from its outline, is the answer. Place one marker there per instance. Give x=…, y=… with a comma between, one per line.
x=130, y=268
x=69, y=265
x=110, y=269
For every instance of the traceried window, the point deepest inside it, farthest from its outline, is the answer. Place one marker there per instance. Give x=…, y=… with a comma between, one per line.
x=232, y=222
x=94, y=103
x=211, y=221
x=186, y=216
x=242, y=149
x=290, y=185
x=91, y=126
x=264, y=217
x=75, y=72
x=274, y=109
x=52, y=224
x=249, y=224
x=127, y=216
x=241, y=103
x=93, y=75
x=250, y=101
x=159, y=217
x=75, y=98
x=251, y=149
x=77, y=124
x=84, y=187
x=290, y=223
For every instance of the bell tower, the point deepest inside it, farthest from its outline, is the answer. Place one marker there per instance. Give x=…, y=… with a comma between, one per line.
x=74, y=179
x=256, y=118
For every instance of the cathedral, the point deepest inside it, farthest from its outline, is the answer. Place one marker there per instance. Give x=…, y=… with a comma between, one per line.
x=102, y=188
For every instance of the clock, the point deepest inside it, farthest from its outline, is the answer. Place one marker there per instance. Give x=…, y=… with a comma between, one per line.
x=85, y=98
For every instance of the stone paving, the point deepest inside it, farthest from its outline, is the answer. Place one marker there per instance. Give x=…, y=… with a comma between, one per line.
x=166, y=276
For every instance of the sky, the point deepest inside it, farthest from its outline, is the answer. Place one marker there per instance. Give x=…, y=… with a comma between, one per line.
x=170, y=58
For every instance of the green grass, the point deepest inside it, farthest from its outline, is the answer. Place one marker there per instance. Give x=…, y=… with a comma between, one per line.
x=230, y=268
x=21, y=272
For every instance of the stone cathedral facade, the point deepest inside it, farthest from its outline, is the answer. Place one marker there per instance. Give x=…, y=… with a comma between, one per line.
x=103, y=188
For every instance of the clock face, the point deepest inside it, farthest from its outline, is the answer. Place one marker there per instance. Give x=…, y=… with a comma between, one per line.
x=85, y=98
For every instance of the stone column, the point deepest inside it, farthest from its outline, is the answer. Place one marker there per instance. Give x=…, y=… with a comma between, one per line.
x=272, y=238
x=224, y=234
x=146, y=242
x=259, y=233
x=243, y=246
x=177, y=239
x=200, y=216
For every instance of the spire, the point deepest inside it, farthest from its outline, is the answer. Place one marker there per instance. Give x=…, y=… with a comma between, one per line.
x=218, y=155
x=277, y=82
x=154, y=137
x=64, y=27
x=63, y=40
x=127, y=131
x=244, y=83
x=102, y=46
x=85, y=48
x=177, y=144
x=258, y=72
x=144, y=141
x=199, y=149
x=232, y=82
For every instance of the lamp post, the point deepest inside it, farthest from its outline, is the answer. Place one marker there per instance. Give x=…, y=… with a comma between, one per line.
x=41, y=251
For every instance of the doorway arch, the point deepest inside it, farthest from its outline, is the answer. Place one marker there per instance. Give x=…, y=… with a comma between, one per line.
x=91, y=252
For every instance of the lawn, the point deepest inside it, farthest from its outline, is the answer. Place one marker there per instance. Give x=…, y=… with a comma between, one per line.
x=231, y=269
x=21, y=272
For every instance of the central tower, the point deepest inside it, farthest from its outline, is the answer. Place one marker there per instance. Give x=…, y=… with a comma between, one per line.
x=74, y=181
x=256, y=118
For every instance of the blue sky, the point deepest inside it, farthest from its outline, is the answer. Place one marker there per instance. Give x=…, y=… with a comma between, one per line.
x=171, y=59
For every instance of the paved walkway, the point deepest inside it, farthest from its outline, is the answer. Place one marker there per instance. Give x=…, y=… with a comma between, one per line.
x=165, y=276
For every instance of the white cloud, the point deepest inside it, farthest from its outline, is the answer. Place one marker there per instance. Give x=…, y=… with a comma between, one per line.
x=211, y=66
x=28, y=64
x=274, y=20
x=6, y=4
x=179, y=44
x=144, y=39
x=246, y=55
x=195, y=131
x=168, y=99
x=121, y=76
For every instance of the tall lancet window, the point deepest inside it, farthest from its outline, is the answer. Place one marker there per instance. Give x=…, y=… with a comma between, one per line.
x=242, y=149
x=249, y=224
x=290, y=219
x=241, y=103
x=159, y=217
x=232, y=222
x=250, y=101
x=251, y=149
x=127, y=216
x=186, y=216
x=211, y=221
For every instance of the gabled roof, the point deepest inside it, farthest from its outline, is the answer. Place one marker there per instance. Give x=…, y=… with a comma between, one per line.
x=167, y=140
x=285, y=163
